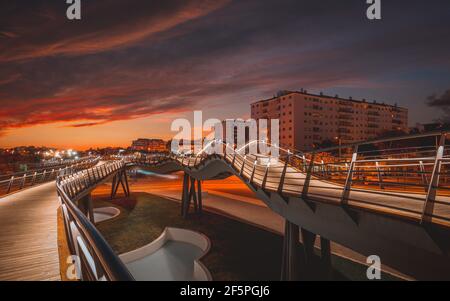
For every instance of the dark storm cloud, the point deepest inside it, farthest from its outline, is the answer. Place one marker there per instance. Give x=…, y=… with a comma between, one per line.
x=441, y=102
x=127, y=61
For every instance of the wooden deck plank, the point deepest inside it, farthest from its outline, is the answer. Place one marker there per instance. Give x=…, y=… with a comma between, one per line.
x=28, y=235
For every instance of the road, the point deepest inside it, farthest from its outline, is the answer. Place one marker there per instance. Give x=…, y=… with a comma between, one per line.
x=28, y=240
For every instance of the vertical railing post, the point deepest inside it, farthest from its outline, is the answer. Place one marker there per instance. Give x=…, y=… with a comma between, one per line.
x=308, y=177
x=264, y=182
x=43, y=176
x=380, y=177
x=34, y=178
x=234, y=156
x=242, y=166
x=24, y=178
x=428, y=205
x=349, y=179
x=253, y=172
x=86, y=181
x=89, y=177
x=93, y=175
x=283, y=174
x=10, y=184
x=424, y=176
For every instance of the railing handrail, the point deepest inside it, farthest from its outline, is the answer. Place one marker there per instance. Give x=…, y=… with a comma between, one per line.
x=356, y=167
x=111, y=265
x=381, y=140
x=116, y=270
x=44, y=176
x=49, y=167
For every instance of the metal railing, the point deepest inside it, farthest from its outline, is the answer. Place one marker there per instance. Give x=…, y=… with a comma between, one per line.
x=411, y=170
x=94, y=258
x=18, y=181
x=33, y=166
x=359, y=170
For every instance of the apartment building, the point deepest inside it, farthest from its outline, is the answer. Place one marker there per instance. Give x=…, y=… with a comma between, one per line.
x=307, y=120
x=236, y=124
x=149, y=145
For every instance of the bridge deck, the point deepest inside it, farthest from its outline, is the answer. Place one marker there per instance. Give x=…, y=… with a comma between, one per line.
x=28, y=240
x=405, y=204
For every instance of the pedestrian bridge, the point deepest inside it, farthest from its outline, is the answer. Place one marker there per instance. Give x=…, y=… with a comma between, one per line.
x=387, y=197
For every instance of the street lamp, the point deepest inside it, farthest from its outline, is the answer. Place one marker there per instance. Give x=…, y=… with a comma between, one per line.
x=338, y=138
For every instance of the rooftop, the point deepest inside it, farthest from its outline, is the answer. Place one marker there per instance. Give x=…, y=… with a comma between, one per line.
x=321, y=95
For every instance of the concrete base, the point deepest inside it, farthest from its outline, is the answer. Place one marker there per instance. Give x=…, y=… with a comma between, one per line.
x=174, y=256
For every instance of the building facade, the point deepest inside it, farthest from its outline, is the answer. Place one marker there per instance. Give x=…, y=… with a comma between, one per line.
x=235, y=125
x=307, y=120
x=149, y=145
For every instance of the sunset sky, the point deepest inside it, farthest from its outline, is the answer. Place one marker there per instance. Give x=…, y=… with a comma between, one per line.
x=128, y=68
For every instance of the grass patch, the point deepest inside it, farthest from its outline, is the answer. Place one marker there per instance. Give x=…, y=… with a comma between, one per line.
x=238, y=251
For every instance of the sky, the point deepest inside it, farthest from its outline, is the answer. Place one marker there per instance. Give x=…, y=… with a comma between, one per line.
x=127, y=69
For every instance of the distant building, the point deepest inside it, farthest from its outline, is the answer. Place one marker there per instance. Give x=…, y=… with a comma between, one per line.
x=149, y=145
x=431, y=127
x=236, y=124
x=307, y=120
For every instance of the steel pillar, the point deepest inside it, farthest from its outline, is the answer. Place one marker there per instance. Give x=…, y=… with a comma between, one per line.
x=308, y=239
x=192, y=192
x=290, y=257
x=325, y=257
x=120, y=179
x=86, y=206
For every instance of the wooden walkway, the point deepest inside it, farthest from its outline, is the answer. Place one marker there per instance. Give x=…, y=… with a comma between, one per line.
x=28, y=235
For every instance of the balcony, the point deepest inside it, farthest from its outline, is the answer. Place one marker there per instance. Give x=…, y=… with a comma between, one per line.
x=345, y=103
x=373, y=113
x=344, y=131
x=346, y=110
x=345, y=117
x=345, y=123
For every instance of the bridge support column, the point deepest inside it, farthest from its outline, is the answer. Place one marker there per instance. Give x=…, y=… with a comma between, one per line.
x=308, y=239
x=86, y=206
x=290, y=257
x=200, y=200
x=191, y=193
x=325, y=257
x=120, y=179
x=185, y=193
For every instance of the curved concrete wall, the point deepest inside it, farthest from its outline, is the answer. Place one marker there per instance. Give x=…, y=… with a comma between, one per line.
x=199, y=272
x=105, y=213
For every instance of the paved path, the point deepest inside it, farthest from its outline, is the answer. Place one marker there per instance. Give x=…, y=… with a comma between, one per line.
x=28, y=237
